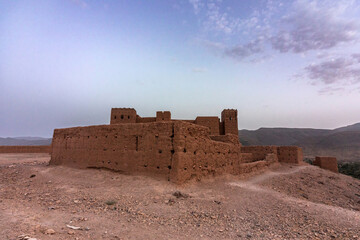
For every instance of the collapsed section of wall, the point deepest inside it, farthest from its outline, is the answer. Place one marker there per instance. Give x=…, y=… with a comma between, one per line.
x=259, y=152
x=285, y=154
x=25, y=149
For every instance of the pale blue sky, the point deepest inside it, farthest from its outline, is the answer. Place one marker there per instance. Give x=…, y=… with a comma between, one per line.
x=280, y=63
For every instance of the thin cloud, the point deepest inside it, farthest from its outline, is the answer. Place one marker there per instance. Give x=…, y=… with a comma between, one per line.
x=214, y=18
x=241, y=52
x=308, y=26
x=218, y=20
x=311, y=27
x=331, y=90
x=340, y=70
x=197, y=5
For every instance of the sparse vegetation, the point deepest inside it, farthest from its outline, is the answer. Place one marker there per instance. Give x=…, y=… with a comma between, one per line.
x=110, y=202
x=308, y=160
x=350, y=168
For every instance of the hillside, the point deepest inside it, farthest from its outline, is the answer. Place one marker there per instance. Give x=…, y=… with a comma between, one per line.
x=353, y=127
x=45, y=202
x=25, y=141
x=278, y=136
x=343, y=143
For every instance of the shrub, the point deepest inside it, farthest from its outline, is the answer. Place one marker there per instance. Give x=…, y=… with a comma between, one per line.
x=350, y=168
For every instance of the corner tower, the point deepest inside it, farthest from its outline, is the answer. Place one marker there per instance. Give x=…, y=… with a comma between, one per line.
x=229, y=123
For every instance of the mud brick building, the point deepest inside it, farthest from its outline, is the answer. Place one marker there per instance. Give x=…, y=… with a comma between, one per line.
x=176, y=150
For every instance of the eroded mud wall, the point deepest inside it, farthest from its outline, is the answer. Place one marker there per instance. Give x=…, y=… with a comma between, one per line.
x=211, y=122
x=290, y=154
x=139, y=147
x=197, y=155
x=175, y=150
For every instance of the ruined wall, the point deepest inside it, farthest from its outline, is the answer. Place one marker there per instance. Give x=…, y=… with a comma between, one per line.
x=259, y=152
x=198, y=155
x=25, y=149
x=122, y=115
x=229, y=121
x=286, y=154
x=290, y=154
x=328, y=163
x=139, y=147
x=211, y=122
x=177, y=151
x=173, y=149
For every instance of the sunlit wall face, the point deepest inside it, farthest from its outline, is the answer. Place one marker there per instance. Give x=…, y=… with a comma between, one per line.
x=280, y=63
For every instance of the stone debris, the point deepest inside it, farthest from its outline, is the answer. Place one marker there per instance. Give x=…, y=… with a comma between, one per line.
x=49, y=231
x=73, y=227
x=26, y=237
x=179, y=194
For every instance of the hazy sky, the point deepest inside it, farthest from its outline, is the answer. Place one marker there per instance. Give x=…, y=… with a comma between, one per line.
x=280, y=63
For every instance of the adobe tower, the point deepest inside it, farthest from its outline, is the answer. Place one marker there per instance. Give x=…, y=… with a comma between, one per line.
x=229, y=121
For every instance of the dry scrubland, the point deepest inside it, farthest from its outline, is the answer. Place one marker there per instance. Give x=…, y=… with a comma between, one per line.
x=285, y=202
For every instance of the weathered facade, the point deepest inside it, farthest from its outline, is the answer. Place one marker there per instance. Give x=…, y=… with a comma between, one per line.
x=176, y=150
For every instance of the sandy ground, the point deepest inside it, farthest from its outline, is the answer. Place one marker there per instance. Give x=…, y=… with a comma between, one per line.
x=289, y=202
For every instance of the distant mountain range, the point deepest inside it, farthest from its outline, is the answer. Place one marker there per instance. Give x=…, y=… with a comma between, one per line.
x=24, y=141
x=343, y=143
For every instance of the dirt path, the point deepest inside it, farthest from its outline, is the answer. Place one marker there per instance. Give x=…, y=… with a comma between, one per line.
x=321, y=210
